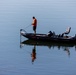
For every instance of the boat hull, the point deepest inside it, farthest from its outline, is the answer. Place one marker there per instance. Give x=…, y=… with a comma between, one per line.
x=45, y=37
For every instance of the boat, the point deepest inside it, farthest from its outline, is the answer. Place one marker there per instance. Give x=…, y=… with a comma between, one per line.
x=49, y=38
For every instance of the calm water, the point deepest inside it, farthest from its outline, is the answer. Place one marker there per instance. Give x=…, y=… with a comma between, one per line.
x=50, y=59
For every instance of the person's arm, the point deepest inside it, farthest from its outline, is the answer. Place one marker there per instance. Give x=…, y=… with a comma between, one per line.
x=33, y=22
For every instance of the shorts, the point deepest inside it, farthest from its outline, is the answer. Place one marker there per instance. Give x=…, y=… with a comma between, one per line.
x=34, y=28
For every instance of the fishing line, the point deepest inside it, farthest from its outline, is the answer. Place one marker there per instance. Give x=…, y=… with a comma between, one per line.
x=27, y=26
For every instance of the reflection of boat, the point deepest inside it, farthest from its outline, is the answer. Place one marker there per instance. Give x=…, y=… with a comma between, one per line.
x=34, y=43
x=46, y=37
x=49, y=44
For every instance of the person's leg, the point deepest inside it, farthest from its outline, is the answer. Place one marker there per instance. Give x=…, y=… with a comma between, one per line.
x=34, y=28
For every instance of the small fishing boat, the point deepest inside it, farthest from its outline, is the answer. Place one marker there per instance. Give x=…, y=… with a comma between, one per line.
x=51, y=37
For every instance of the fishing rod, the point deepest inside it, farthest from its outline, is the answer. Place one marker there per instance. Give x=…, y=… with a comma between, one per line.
x=27, y=26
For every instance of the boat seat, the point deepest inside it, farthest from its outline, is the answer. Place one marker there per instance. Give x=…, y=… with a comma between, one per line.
x=67, y=31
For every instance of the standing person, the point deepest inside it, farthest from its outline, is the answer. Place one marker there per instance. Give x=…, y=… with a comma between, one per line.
x=34, y=23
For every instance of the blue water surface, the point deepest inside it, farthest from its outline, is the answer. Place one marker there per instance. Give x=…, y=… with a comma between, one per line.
x=54, y=15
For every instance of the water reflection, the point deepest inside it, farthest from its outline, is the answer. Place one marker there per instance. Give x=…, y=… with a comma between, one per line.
x=66, y=47
x=33, y=54
x=67, y=50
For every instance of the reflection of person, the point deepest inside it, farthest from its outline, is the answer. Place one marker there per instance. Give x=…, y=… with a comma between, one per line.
x=34, y=23
x=33, y=55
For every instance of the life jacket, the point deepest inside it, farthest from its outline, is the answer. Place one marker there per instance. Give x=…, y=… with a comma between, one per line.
x=34, y=22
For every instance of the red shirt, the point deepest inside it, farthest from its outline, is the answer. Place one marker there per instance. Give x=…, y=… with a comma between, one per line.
x=34, y=23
